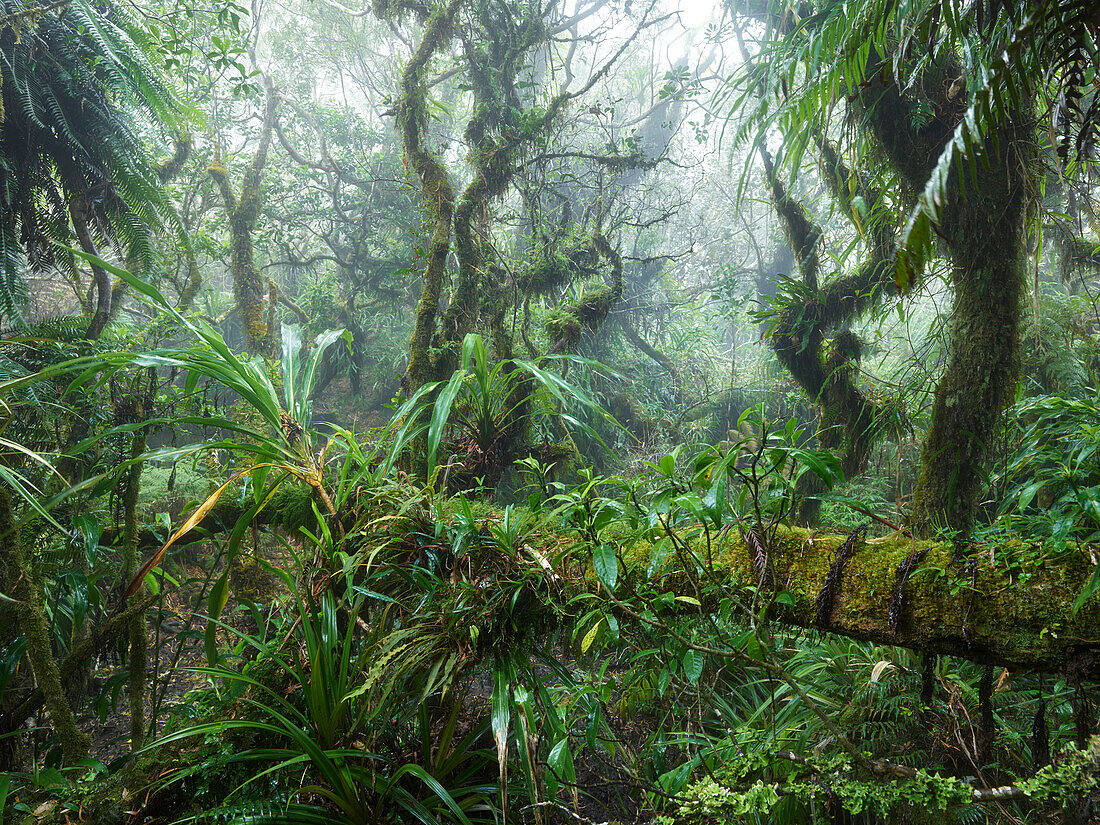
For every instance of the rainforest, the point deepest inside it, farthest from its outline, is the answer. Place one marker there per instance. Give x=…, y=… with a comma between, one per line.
x=549, y=412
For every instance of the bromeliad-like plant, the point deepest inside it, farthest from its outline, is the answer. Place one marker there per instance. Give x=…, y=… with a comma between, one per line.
x=284, y=446
x=322, y=697
x=482, y=412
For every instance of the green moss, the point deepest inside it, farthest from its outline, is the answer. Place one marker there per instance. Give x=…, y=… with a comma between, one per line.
x=292, y=508
x=138, y=634
x=30, y=614
x=552, y=267
x=980, y=611
x=251, y=580
x=630, y=414
x=561, y=324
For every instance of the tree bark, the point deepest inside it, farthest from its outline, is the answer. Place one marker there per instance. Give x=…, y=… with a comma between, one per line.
x=982, y=227
x=971, y=609
x=30, y=616
x=437, y=193
x=79, y=212
x=985, y=233
x=250, y=292
x=138, y=635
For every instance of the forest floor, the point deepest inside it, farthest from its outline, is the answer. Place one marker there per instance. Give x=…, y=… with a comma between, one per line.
x=176, y=652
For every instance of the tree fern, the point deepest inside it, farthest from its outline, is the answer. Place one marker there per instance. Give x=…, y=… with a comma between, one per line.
x=1015, y=58
x=72, y=86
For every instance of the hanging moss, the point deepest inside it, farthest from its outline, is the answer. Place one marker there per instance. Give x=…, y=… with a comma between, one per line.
x=563, y=327
x=566, y=326
x=556, y=265
x=544, y=274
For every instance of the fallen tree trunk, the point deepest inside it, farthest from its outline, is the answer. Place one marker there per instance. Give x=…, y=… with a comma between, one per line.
x=1016, y=613
x=1004, y=605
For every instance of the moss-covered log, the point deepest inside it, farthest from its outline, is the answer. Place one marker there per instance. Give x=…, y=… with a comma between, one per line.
x=1017, y=616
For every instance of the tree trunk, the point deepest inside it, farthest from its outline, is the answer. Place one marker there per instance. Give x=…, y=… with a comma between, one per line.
x=982, y=226
x=138, y=636
x=971, y=609
x=30, y=615
x=436, y=192
x=252, y=296
x=80, y=212
x=985, y=233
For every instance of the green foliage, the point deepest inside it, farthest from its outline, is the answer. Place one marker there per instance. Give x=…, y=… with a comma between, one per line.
x=1005, y=59
x=318, y=698
x=70, y=130
x=1052, y=481
x=488, y=409
x=709, y=801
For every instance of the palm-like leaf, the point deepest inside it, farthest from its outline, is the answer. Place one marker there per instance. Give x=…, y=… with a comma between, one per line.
x=1012, y=57
x=73, y=80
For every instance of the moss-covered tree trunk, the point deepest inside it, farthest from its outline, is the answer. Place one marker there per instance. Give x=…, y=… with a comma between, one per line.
x=137, y=632
x=827, y=370
x=30, y=615
x=255, y=296
x=80, y=212
x=436, y=190
x=985, y=234
x=982, y=229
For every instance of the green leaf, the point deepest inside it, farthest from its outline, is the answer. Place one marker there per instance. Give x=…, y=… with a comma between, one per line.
x=1028, y=493
x=590, y=636
x=693, y=665
x=440, y=413
x=503, y=676
x=1091, y=586
x=560, y=762
x=606, y=565
x=219, y=595
x=657, y=555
